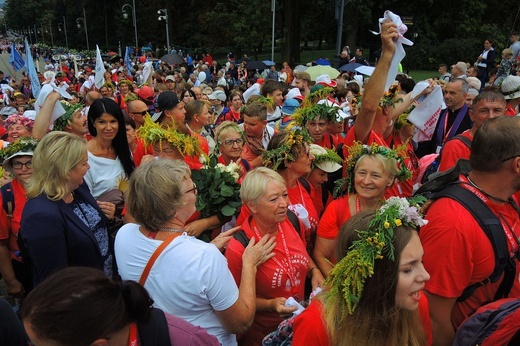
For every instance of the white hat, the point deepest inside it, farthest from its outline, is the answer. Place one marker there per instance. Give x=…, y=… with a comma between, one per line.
x=328, y=166
x=294, y=93
x=511, y=87
x=326, y=81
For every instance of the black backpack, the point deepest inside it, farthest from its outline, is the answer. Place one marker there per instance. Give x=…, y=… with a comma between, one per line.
x=434, y=166
x=446, y=184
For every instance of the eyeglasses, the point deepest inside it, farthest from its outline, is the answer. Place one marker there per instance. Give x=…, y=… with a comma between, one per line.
x=19, y=165
x=231, y=142
x=195, y=190
x=143, y=113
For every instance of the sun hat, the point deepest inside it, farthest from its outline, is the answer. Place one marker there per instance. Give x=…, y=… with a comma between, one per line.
x=326, y=160
x=23, y=147
x=510, y=87
x=326, y=81
x=166, y=100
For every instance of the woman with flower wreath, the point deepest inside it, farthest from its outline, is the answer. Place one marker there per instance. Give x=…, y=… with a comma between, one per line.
x=370, y=171
x=402, y=141
x=17, y=159
x=374, y=293
x=18, y=126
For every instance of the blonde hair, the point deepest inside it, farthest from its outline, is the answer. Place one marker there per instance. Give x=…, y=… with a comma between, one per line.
x=193, y=108
x=225, y=128
x=155, y=192
x=56, y=155
x=257, y=182
x=508, y=53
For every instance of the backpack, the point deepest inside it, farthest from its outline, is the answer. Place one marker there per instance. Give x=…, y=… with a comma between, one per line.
x=446, y=184
x=434, y=166
x=497, y=323
x=242, y=238
x=155, y=331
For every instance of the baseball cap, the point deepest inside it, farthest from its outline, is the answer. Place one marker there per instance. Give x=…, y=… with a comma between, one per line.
x=170, y=77
x=290, y=106
x=218, y=95
x=166, y=100
x=328, y=166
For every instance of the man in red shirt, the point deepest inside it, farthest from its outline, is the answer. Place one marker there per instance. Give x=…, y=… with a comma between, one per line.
x=457, y=252
x=487, y=105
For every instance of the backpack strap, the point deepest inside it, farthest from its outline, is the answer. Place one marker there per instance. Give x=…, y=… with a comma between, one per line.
x=155, y=331
x=154, y=257
x=305, y=184
x=493, y=229
x=8, y=202
x=242, y=238
x=246, y=164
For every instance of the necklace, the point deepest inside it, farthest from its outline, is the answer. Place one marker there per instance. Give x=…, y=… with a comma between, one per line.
x=171, y=230
x=485, y=193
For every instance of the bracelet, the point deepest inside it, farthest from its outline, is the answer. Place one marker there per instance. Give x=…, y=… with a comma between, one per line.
x=310, y=270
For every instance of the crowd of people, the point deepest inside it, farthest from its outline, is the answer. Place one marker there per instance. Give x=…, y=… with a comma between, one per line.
x=105, y=239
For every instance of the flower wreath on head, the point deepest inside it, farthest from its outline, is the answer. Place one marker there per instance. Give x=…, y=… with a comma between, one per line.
x=358, y=150
x=402, y=120
x=330, y=156
x=65, y=119
x=347, y=279
x=151, y=132
x=319, y=110
x=23, y=145
x=316, y=96
x=274, y=157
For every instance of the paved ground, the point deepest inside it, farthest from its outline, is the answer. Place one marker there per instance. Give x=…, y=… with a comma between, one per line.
x=6, y=67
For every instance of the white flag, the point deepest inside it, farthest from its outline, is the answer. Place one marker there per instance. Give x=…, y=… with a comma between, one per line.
x=100, y=70
x=147, y=71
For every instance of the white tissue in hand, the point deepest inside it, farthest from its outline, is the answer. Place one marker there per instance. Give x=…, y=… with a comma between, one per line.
x=292, y=302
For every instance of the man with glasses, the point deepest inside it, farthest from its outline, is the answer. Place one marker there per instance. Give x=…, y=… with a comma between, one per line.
x=486, y=105
x=137, y=109
x=457, y=251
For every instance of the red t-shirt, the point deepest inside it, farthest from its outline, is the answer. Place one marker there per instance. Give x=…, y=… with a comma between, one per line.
x=328, y=141
x=453, y=150
x=457, y=253
x=335, y=215
x=141, y=151
x=272, y=280
x=310, y=328
x=317, y=199
x=405, y=188
x=510, y=110
x=19, y=203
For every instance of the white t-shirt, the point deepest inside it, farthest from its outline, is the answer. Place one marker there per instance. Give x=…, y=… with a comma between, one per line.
x=104, y=174
x=190, y=278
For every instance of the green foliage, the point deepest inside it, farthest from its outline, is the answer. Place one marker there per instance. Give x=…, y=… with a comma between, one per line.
x=219, y=192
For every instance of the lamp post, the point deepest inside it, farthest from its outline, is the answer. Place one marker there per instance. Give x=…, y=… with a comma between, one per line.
x=134, y=19
x=273, y=9
x=65, y=30
x=84, y=20
x=163, y=15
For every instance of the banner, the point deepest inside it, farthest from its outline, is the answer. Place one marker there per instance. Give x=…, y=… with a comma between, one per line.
x=128, y=51
x=31, y=71
x=16, y=59
x=99, y=79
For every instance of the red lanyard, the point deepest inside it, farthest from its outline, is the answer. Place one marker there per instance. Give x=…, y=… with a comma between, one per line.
x=358, y=204
x=301, y=194
x=287, y=269
x=132, y=339
x=511, y=236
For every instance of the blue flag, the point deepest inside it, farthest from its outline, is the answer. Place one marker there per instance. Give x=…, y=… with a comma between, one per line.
x=128, y=51
x=16, y=59
x=30, y=70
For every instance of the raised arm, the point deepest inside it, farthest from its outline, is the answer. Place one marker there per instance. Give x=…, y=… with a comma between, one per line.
x=375, y=87
x=43, y=119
